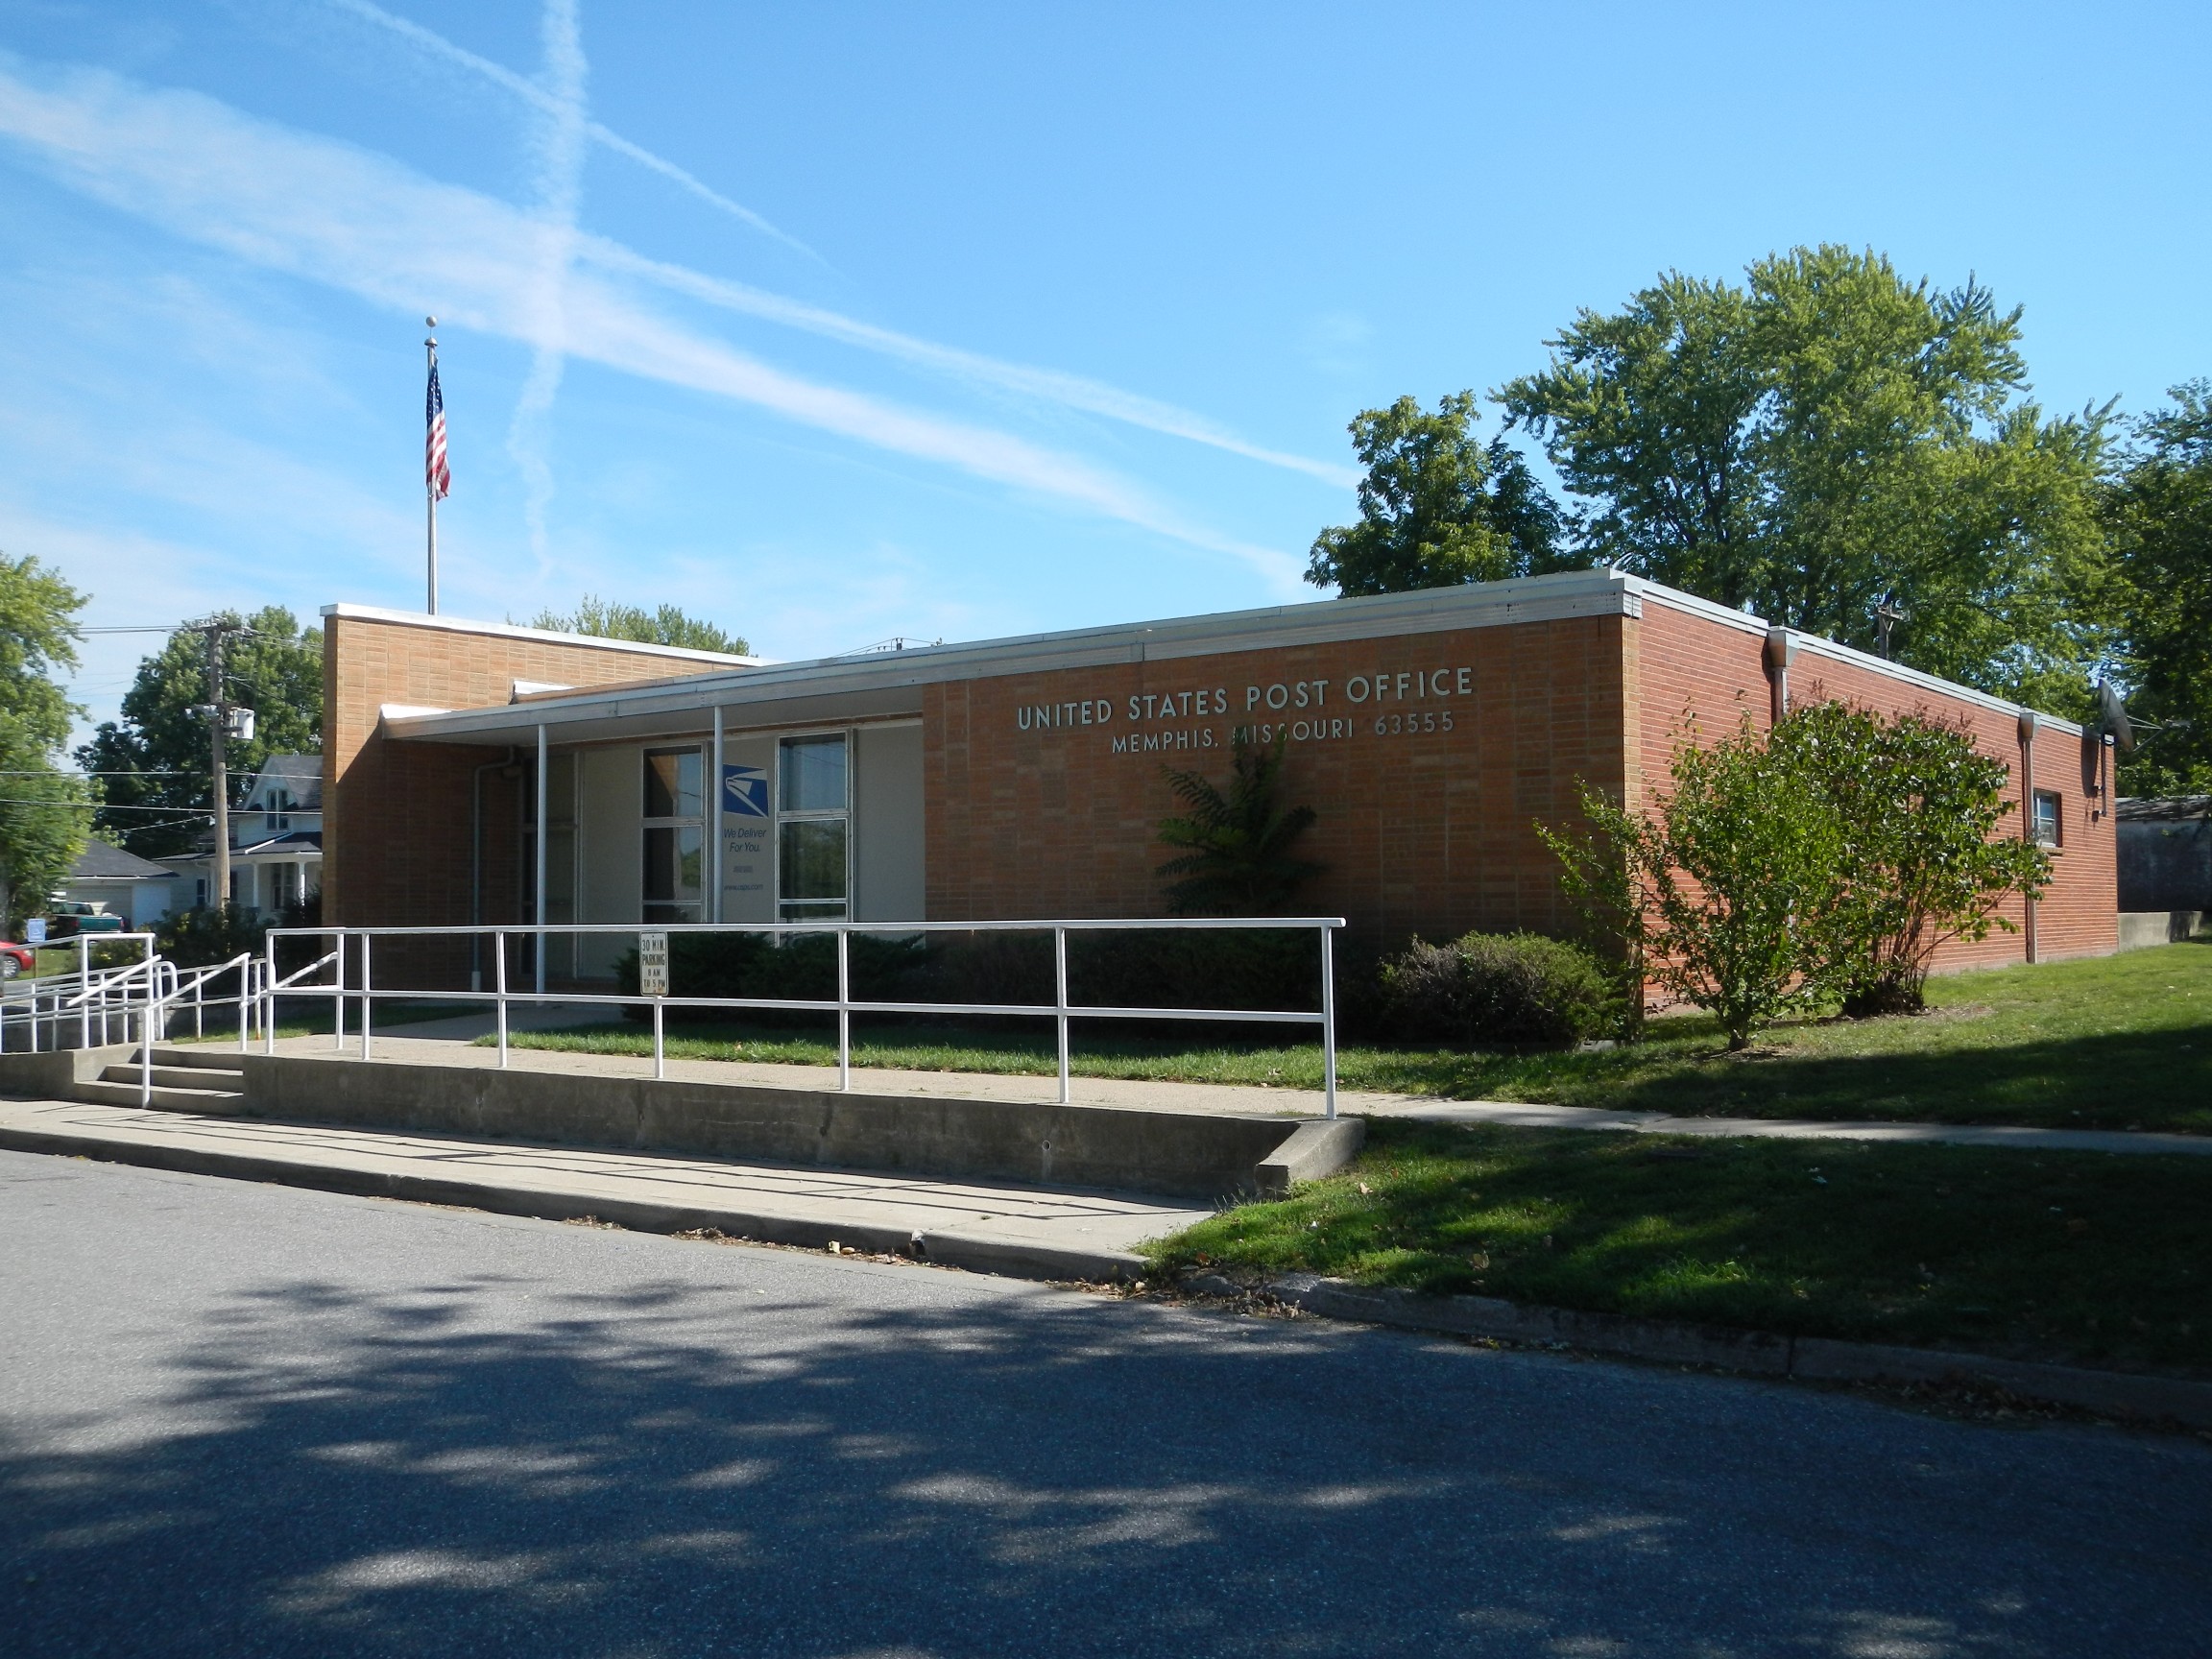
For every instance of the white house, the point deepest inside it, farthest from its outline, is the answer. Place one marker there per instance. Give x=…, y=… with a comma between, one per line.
x=275, y=840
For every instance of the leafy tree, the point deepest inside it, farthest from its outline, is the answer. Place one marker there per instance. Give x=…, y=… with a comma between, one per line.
x=1437, y=507
x=1238, y=860
x=606, y=619
x=1731, y=881
x=1825, y=862
x=1829, y=440
x=2160, y=514
x=42, y=815
x=1923, y=861
x=157, y=756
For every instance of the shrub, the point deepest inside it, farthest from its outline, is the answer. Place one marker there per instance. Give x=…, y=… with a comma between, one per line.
x=1236, y=855
x=198, y=938
x=1733, y=881
x=1496, y=988
x=1923, y=860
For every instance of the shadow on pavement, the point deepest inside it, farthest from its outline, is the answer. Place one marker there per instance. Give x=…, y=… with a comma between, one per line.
x=688, y=1468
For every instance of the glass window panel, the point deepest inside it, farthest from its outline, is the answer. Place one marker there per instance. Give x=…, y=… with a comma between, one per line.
x=813, y=860
x=673, y=777
x=673, y=859
x=2046, y=818
x=813, y=774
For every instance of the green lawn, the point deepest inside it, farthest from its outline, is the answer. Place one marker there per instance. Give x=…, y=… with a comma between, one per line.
x=2122, y=1041
x=221, y=1025
x=2078, y=1256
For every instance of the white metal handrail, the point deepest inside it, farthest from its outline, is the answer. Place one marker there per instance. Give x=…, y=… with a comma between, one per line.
x=844, y=1005
x=87, y=994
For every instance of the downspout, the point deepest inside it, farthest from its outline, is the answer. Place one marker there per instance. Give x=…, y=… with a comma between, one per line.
x=1781, y=651
x=476, y=865
x=2028, y=725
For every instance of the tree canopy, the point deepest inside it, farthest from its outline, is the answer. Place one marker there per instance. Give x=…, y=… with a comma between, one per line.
x=42, y=815
x=2159, y=511
x=157, y=775
x=608, y=619
x=1438, y=507
x=1829, y=440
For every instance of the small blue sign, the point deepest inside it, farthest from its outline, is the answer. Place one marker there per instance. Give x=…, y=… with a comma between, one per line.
x=35, y=930
x=745, y=791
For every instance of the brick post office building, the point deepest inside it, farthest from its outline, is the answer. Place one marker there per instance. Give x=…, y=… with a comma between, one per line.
x=470, y=766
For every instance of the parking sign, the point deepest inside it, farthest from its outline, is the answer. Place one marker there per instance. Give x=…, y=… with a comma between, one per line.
x=653, y=964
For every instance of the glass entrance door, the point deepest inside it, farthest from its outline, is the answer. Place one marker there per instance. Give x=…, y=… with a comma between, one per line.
x=813, y=839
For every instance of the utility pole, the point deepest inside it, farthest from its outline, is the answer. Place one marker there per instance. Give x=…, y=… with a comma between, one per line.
x=1886, y=615
x=225, y=721
x=218, y=735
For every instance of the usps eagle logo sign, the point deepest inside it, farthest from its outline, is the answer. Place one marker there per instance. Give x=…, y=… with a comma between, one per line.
x=745, y=791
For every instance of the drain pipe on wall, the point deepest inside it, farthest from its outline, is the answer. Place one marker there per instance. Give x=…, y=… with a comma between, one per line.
x=507, y=769
x=1781, y=651
x=2028, y=724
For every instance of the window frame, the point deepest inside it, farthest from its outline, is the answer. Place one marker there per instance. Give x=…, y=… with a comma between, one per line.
x=838, y=909
x=685, y=910
x=2057, y=837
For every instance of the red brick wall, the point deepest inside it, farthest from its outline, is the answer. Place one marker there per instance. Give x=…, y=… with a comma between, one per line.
x=396, y=816
x=1695, y=661
x=1427, y=828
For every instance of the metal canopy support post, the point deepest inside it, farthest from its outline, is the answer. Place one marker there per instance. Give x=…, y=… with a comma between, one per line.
x=538, y=894
x=1060, y=1002
x=844, y=1014
x=714, y=826
x=1328, y=1021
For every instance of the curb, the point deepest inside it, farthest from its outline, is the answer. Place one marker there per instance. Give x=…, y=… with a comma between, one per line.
x=952, y=1248
x=1755, y=1353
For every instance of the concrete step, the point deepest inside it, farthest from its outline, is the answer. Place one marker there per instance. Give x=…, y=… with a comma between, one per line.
x=212, y=1056
x=178, y=1077
x=207, y=1102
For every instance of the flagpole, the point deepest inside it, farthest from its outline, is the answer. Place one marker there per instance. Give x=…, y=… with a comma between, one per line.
x=430, y=484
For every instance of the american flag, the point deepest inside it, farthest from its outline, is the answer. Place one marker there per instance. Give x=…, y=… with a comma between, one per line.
x=434, y=473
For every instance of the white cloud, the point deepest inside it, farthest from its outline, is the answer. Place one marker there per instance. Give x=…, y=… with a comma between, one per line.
x=330, y=212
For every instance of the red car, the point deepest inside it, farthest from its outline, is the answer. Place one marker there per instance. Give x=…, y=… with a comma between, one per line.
x=15, y=959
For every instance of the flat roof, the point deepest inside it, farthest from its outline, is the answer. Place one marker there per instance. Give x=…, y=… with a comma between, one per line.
x=888, y=684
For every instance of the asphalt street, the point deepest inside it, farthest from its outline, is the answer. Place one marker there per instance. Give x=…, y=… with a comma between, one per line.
x=247, y=1420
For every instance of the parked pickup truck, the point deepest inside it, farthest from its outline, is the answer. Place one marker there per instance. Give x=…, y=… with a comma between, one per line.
x=70, y=917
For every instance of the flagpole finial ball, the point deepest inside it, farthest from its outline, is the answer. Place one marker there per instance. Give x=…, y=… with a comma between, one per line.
x=429, y=321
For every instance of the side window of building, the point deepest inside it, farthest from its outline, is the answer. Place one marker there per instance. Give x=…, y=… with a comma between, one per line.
x=675, y=834
x=813, y=841
x=2046, y=820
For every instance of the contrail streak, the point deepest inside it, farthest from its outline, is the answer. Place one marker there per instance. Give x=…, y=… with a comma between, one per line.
x=523, y=87
x=1045, y=385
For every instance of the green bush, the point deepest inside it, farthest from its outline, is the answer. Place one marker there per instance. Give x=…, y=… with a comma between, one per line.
x=198, y=938
x=1496, y=988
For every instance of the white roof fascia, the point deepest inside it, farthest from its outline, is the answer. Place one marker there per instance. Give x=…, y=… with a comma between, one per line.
x=1819, y=646
x=1554, y=597
x=1829, y=648
x=542, y=636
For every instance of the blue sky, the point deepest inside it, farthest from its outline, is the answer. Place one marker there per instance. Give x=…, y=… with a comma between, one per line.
x=834, y=323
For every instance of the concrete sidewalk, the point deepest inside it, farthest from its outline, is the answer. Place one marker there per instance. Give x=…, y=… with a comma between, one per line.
x=450, y=1042
x=1023, y=1232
